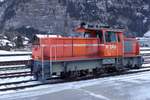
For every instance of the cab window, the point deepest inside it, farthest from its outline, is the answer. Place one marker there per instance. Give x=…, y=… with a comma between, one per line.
x=89, y=35
x=118, y=38
x=35, y=40
x=110, y=36
x=99, y=35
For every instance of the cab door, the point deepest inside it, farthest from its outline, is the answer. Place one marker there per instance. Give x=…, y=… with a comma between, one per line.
x=112, y=44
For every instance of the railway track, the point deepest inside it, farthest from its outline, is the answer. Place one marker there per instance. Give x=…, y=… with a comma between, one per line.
x=33, y=83
x=9, y=68
x=14, y=71
x=19, y=62
x=17, y=54
x=15, y=59
x=15, y=85
x=15, y=74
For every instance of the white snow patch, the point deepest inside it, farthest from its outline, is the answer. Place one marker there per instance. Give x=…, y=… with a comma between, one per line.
x=144, y=48
x=7, y=80
x=147, y=34
x=3, y=42
x=14, y=52
x=11, y=66
x=14, y=58
x=144, y=41
x=146, y=7
x=146, y=65
x=14, y=71
x=95, y=95
x=25, y=42
x=145, y=20
x=2, y=0
x=139, y=14
x=144, y=52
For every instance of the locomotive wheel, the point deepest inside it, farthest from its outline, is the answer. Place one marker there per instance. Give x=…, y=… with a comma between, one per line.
x=109, y=69
x=63, y=75
x=83, y=72
x=70, y=75
x=136, y=67
x=98, y=71
x=121, y=69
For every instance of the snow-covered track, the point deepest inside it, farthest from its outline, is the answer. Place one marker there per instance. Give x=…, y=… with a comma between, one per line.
x=15, y=85
x=19, y=62
x=28, y=84
x=17, y=82
x=15, y=58
x=21, y=54
x=14, y=71
x=56, y=80
x=13, y=67
x=15, y=74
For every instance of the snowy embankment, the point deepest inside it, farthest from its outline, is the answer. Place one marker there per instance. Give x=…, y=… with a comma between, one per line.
x=14, y=57
x=145, y=50
x=15, y=71
x=7, y=80
x=49, y=89
x=2, y=52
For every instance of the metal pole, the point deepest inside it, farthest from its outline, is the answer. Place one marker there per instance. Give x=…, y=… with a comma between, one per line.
x=55, y=52
x=42, y=63
x=51, y=60
x=117, y=48
x=123, y=49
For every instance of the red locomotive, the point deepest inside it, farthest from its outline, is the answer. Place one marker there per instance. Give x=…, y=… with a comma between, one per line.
x=99, y=50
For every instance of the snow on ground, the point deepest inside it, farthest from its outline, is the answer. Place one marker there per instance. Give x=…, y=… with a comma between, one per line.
x=3, y=52
x=145, y=65
x=14, y=58
x=14, y=71
x=144, y=52
x=144, y=48
x=11, y=66
x=2, y=0
x=3, y=42
x=85, y=87
x=144, y=41
x=147, y=34
x=124, y=87
x=7, y=80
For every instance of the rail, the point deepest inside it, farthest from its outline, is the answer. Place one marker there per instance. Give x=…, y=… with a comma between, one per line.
x=19, y=62
x=26, y=54
x=32, y=83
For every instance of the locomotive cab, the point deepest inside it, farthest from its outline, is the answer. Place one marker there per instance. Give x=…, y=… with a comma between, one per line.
x=109, y=40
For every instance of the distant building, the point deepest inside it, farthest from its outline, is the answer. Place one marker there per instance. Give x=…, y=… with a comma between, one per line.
x=147, y=34
x=145, y=40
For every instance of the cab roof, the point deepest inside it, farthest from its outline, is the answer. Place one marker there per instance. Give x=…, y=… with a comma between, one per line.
x=83, y=29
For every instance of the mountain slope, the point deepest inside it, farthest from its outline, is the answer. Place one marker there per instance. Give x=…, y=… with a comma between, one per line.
x=60, y=16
